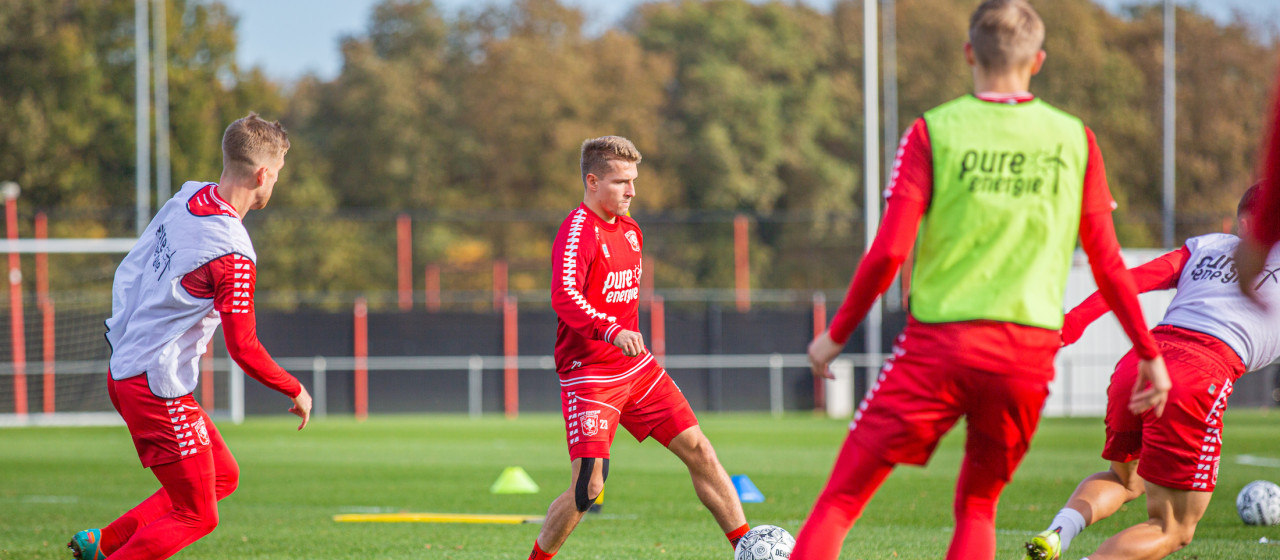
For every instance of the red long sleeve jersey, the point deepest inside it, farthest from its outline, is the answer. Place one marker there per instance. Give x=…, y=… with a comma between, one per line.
x=595, y=291
x=230, y=281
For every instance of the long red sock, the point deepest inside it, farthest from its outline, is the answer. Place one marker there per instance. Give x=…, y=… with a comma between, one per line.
x=855, y=478
x=736, y=535
x=977, y=495
x=538, y=553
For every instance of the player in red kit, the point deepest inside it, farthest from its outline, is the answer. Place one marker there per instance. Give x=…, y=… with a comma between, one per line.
x=1256, y=244
x=192, y=269
x=997, y=186
x=607, y=377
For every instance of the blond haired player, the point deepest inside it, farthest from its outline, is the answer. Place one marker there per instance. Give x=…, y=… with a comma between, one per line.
x=998, y=186
x=607, y=377
x=192, y=269
x=1211, y=334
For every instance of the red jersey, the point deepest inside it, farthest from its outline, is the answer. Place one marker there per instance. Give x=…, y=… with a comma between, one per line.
x=230, y=281
x=595, y=291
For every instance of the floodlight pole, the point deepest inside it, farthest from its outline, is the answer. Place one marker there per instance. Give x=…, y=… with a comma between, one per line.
x=161, y=64
x=891, y=132
x=142, y=117
x=871, y=159
x=1170, y=116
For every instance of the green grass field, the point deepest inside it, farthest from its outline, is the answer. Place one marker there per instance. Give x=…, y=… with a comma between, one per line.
x=55, y=481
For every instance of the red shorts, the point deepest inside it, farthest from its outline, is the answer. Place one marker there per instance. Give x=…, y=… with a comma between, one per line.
x=163, y=430
x=1181, y=448
x=926, y=386
x=647, y=405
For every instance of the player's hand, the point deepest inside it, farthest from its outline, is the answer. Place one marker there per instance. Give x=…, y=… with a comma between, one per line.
x=631, y=343
x=1151, y=388
x=1071, y=330
x=1250, y=257
x=821, y=351
x=302, y=407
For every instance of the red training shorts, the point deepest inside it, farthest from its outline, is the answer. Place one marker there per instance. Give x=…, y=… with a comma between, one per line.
x=163, y=430
x=1181, y=448
x=927, y=385
x=647, y=405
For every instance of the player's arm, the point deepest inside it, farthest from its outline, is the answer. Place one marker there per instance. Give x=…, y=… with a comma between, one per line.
x=1116, y=284
x=1161, y=273
x=1256, y=243
x=908, y=196
x=571, y=259
x=233, y=279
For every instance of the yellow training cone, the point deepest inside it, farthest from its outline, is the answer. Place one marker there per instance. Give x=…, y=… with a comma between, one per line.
x=514, y=480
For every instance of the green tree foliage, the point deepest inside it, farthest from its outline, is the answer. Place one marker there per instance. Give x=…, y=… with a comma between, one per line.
x=472, y=121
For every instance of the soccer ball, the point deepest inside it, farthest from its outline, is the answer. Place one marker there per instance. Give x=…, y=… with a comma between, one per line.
x=765, y=542
x=1259, y=503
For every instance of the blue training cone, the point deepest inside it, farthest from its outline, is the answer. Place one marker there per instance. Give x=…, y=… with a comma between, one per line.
x=747, y=491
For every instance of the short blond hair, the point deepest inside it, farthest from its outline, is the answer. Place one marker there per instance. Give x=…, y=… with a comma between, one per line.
x=253, y=142
x=598, y=152
x=1005, y=34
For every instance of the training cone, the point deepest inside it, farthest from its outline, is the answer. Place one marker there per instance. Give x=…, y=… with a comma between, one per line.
x=747, y=491
x=514, y=480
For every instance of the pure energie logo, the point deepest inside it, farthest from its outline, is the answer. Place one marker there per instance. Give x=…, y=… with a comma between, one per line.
x=1012, y=172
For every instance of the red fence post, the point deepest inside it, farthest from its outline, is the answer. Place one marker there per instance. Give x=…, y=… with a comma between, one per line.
x=362, y=359
x=658, y=329
x=404, y=261
x=16, y=327
x=819, y=325
x=49, y=340
x=499, y=284
x=741, y=264
x=511, y=354
x=432, y=287
x=206, y=380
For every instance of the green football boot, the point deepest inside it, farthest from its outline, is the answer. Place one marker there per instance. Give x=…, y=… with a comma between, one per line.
x=1045, y=546
x=84, y=546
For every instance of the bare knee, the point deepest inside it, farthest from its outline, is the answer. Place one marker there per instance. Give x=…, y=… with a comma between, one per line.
x=1127, y=475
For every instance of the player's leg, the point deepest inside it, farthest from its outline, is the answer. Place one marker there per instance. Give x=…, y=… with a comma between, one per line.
x=590, y=420
x=586, y=482
x=908, y=410
x=656, y=408
x=710, y=481
x=1173, y=516
x=1002, y=413
x=1101, y=494
x=856, y=476
x=191, y=486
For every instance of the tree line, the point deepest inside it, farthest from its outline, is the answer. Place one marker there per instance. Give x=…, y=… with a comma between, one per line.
x=471, y=122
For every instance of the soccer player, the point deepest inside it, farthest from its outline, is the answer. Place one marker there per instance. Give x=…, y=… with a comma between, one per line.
x=998, y=184
x=607, y=377
x=193, y=268
x=1265, y=232
x=1210, y=335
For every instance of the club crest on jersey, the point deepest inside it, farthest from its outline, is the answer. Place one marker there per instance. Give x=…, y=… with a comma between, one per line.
x=590, y=422
x=202, y=432
x=634, y=240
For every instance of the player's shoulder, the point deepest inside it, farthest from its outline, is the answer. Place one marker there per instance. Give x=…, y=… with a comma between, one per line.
x=1212, y=241
x=203, y=201
x=629, y=222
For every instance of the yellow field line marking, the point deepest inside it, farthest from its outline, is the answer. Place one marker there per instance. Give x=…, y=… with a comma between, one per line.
x=436, y=518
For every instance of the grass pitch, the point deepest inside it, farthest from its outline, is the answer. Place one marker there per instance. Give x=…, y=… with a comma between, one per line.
x=55, y=481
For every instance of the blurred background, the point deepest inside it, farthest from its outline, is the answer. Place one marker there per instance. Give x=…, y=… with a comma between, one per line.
x=435, y=152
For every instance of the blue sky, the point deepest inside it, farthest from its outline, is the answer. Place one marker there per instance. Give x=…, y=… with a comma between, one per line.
x=290, y=38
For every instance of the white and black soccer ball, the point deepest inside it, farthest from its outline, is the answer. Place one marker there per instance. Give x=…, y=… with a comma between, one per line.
x=1259, y=503
x=765, y=542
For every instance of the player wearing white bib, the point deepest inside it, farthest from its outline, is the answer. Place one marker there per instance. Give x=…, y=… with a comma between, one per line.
x=1211, y=334
x=193, y=269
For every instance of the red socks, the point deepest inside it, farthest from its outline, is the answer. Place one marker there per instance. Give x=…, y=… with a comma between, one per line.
x=736, y=535
x=538, y=553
